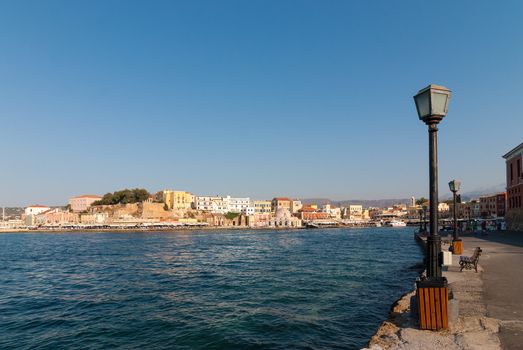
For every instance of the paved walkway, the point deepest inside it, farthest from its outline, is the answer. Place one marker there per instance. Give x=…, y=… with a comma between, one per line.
x=489, y=303
x=502, y=264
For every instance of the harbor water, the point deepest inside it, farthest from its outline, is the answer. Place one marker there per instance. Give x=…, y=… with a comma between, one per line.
x=251, y=289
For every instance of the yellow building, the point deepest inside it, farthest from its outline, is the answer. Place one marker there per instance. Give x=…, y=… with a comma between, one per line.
x=262, y=207
x=178, y=200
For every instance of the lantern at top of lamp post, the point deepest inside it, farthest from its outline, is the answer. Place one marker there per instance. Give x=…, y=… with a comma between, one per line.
x=454, y=185
x=432, y=103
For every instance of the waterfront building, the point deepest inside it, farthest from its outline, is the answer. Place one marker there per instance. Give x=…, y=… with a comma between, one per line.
x=82, y=203
x=236, y=204
x=11, y=224
x=213, y=204
x=355, y=212
x=501, y=204
x=296, y=205
x=94, y=218
x=35, y=209
x=261, y=219
x=475, y=208
x=248, y=211
x=223, y=205
x=283, y=218
x=334, y=213
x=309, y=213
x=56, y=216
x=281, y=202
x=178, y=200
x=262, y=207
x=514, y=176
x=493, y=206
x=443, y=207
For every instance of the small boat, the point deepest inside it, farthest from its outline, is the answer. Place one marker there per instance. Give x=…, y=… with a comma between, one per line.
x=396, y=223
x=312, y=225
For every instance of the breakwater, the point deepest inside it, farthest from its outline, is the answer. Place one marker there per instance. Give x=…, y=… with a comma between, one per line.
x=196, y=290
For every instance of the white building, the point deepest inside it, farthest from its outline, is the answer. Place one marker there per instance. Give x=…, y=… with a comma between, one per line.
x=443, y=207
x=223, y=205
x=212, y=204
x=35, y=209
x=333, y=212
x=236, y=205
x=283, y=218
x=249, y=211
x=296, y=205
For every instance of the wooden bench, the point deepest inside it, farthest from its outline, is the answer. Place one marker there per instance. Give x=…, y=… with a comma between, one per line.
x=470, y=262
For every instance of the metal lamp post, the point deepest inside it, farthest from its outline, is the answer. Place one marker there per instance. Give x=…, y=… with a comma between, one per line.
x=420, y=220
x=432, y=105
x=457, y=243
x=425, y=218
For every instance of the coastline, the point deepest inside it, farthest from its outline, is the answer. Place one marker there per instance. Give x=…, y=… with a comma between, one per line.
x=172, y=229
x=470, y=327
x=148, y=229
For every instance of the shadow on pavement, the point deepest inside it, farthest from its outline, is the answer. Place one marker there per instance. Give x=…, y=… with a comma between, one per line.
x=514, y=238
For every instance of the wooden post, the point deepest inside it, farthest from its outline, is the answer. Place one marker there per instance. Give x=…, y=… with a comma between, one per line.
x=432, y=297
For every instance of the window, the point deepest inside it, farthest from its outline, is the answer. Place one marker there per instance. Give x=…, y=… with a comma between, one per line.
x=519, y=168
x=511, y=174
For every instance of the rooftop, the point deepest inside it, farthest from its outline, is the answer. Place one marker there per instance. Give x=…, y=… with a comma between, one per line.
x=516, y=149
x=89, y=196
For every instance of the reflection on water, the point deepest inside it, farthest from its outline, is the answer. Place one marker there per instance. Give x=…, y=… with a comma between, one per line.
x=201, y=290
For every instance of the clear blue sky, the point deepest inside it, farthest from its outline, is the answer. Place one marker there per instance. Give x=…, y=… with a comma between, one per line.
x=253, y=98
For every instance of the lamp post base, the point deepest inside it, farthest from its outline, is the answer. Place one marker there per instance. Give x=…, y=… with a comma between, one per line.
x=432, y=297
x=457, y=247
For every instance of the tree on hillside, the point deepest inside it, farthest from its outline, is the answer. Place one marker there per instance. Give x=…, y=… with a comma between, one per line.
x=421, y=201
x=158, y=197
x=124, y=197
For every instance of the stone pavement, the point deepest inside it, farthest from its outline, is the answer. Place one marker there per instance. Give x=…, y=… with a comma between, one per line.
x=502, y=263
x=490, y=307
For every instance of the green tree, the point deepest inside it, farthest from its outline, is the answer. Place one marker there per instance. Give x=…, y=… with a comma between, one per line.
x=421, y=201
x=125, y=196
x=231, y=216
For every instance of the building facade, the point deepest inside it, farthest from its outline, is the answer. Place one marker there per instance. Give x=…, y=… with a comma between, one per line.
x=178, y=200
x=236, y=204
x=35, y=209
x=355, y=212
x=262, y=207
x=514, y=175
x=281, y=202
x=82, y=203
x=211, y=204
x=296, y=205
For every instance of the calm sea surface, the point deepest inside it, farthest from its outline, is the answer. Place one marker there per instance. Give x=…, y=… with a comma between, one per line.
x=316, y=289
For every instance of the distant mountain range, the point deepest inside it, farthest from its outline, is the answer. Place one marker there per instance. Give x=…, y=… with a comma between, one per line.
x=366, y=203
x=385, y=203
